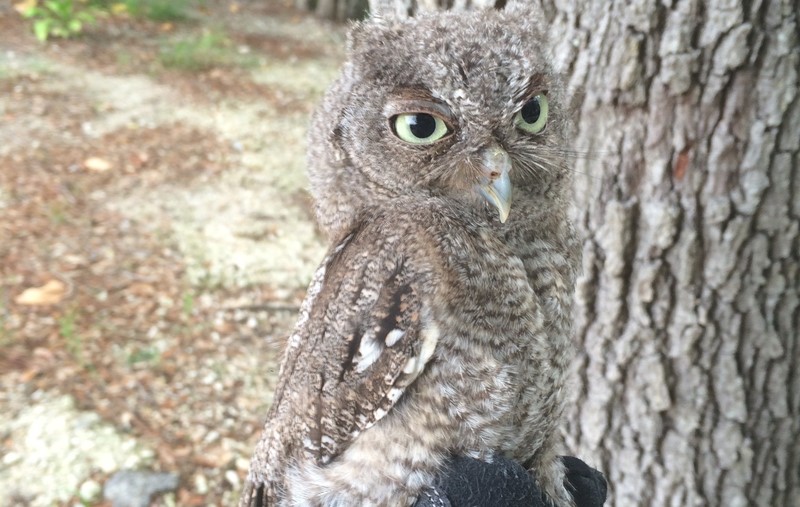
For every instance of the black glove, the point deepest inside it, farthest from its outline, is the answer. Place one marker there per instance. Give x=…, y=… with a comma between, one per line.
x=587, y=485
x=469, y=482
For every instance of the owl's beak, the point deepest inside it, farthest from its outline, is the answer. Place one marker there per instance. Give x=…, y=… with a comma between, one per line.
x=495, y=184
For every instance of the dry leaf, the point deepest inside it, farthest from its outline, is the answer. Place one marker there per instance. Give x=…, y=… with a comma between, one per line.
x=141, y=289
x=189, y=499
x=30, y=374
x=139, y=159
x=97, y=164
x=119, y=8
x=233, y=7
x=213, y=458
x=24, y=6
x=48, y=294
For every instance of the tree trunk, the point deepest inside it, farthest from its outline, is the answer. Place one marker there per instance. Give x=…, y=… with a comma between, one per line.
x=335, y=9
x=688, y=311
x=689, y=199
x=410, y=7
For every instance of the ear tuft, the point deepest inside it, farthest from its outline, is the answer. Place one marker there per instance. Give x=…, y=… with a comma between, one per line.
x=365, y=36
x=356, y=36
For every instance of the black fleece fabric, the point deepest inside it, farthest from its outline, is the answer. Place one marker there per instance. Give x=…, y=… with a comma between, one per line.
x=470, y=482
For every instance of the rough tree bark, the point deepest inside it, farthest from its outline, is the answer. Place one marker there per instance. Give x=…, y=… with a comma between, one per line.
x=410, y=7
x=335, y=9
x=688, y=310
x=348, y=9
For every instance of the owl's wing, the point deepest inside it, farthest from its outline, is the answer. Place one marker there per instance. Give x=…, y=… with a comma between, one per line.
x=361, y=340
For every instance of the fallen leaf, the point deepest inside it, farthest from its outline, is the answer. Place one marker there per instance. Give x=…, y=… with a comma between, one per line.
x=44, y=354
x=50, y=293
x=167, y=27
x=30, y=374
x=139, y=159
x=97, y=164
x=182, y=452
x=24, y=6
x=75, y=260
x=185, y=497
x=119, y=8
x=233, y=7
x=141, y=289
x=213, y=458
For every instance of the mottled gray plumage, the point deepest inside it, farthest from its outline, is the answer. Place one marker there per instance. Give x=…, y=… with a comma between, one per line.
x=433, y=328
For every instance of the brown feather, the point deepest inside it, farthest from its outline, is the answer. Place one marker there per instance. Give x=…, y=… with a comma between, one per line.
x=431, y=329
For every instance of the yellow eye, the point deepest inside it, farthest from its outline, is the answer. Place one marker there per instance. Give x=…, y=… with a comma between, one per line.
x=533, y=115
x=419, y=128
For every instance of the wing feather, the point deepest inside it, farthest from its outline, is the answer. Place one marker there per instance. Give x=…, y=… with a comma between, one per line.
x=347, y=361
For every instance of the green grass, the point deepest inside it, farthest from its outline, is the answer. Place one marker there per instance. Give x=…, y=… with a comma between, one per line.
x=199, y=53
x=149, y=355
x=57, y=213
x=59, y=18
x=188, y=304
x=160, y=10
x=73, y=341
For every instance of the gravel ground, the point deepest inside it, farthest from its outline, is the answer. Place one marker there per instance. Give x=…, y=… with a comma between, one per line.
x=155, y=242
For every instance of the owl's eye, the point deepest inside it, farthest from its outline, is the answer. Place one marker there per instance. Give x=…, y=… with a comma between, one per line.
x=419, y=128
x=533, y=115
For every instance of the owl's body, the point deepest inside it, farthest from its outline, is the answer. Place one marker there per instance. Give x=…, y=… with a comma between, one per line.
x=435, y=327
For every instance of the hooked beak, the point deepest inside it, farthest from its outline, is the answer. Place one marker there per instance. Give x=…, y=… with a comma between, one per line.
x=495, y=183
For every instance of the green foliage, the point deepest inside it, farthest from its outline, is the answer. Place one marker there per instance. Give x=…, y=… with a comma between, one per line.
x=205, y=52
x=188, y=304
x=73, y=341
x=147, y=355
x=57, y=213
x=60, y=18
x=67, y=18
x=160, y=10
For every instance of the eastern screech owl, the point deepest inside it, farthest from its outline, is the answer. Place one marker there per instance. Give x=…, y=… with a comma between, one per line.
x=439, y=323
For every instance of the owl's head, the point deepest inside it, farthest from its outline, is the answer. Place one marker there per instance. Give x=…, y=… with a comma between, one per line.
x=458, y=105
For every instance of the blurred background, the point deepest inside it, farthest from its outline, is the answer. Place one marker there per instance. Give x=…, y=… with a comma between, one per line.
x=155, y=239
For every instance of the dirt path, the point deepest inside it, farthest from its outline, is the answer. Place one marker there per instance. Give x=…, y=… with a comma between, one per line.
x=155, y=240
